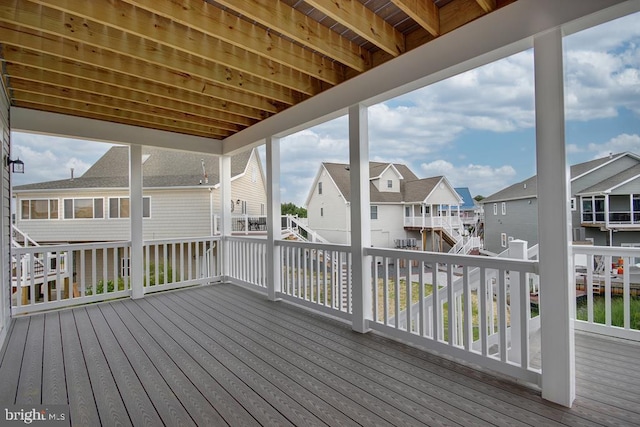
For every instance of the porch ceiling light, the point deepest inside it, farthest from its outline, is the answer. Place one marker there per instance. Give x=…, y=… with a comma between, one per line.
x=17, y=166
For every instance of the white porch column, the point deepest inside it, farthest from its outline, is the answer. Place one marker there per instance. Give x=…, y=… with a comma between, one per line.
x=274, y=224
x=557, y=339
x=136, y=260
x=225, y=215
x=360, y=217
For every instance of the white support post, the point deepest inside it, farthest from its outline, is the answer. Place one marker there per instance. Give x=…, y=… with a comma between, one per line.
x=274, y=224
x=360, y=217
x=517, y=290
x=225, y=214
x=606, y=212
x=557, y=338
x=136, y=260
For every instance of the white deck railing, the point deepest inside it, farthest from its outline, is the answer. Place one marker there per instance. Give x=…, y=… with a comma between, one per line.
x=86, y=273
x=247, y=261
x=608, y=290
x=317, y=275
x=485, y=320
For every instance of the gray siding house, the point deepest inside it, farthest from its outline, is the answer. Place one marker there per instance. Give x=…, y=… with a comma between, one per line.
x=605, y=206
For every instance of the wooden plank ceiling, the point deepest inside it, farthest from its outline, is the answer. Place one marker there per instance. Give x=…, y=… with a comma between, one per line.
x=205, y=68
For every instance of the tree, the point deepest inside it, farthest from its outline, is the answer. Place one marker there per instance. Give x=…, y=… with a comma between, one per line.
x=478, y=198
x=291, y=209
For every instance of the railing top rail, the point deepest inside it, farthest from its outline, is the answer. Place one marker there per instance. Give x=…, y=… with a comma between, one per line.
x=182, y=240
x=262, y=239
x=69, y=247
x=314, y=245
x=605, y=250
x=525, y=266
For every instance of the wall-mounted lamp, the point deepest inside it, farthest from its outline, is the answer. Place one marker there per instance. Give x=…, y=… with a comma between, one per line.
x=238, y=202
x=17, y=166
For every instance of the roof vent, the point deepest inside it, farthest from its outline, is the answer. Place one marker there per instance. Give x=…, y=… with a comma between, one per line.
x=71, y=174
x=525, y=185
x=347, y=168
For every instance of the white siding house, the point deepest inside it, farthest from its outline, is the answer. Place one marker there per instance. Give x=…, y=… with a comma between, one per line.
x=405, y=211
x=181, y=197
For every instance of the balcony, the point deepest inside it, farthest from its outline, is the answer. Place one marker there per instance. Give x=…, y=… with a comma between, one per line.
x=614, y=219
x=219, y=352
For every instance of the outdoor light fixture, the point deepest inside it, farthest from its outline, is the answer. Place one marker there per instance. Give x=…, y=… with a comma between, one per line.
x=17, y=166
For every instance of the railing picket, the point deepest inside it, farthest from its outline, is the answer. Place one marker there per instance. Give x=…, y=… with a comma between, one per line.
x=421, y=313
x=45, y=275
x=482, y=299
x=409, y=299
x=59, y=266
x=83, y=287
x=626, y=294
x=607, y=292
x=466, y=295
x=386, y=290
x=396, y=295
x=502, y=314
x=450, y=306
x=589, y=288
x=435, y=302
x=525, y=316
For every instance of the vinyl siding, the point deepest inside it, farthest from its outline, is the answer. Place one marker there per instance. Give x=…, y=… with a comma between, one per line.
x=333, y=225
x=5, y=219
x=520, y=222
x=443, y=195
x=388, y=227
x=381, y=184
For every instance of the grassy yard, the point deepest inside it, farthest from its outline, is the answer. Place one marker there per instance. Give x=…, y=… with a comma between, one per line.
x=617, y=311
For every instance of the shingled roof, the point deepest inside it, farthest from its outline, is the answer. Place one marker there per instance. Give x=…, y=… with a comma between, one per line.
x=160, y=169
x=529, y=187
x=412, y=188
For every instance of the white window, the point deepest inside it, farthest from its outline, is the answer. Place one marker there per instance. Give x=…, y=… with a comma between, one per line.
x=262, y=209
x=573, y=204
x=87, y=208
x=244, y=207
x=374, y=212
x=504, y=208
x=320, y=187
x=39, y=209
x=503, y=239
x=254, y=174
x=119, y=207
x=389, y=183
x=495, y=209
x=321, y=211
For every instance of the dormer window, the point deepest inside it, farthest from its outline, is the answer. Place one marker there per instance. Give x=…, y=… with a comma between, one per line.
x=320, y=187
x=389, y=183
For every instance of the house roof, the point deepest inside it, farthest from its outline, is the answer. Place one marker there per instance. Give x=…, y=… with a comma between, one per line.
x=206, y=68
x=412, y=188
x=468, y=203
x=611, y=183
x=529, y=187
x=160, y=169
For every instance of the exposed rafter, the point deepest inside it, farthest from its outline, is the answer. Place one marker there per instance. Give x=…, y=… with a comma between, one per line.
x=364, y=22
x=209, y=68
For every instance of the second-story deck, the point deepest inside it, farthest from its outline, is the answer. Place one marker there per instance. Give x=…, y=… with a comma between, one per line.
x=222, y=355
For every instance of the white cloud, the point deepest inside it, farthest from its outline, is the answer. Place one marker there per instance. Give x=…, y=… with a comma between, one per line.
x=49, y=158
x=481, y=179
x=618, y=144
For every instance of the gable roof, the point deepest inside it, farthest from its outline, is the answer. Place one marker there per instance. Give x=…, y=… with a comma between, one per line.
x=529, y=187
x=162, y=169
x=412, y=188
x=468, y=203
x=611, y=183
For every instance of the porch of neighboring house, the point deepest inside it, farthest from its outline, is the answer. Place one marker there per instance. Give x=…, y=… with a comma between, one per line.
x=221, y=354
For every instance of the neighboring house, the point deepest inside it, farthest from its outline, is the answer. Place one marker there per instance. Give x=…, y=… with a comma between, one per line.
x=181, y=196
x=604, y=201
x=405, y=210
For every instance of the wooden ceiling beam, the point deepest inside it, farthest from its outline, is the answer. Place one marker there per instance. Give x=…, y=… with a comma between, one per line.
x=38, y=81
x=234, y=67
x=364, y=22
x=16, y=36
x=199, y=40
x=457, y=13
x=280, y=17
x=227, y=110
x=74, y=108
x=425, y=13
x=487, y=5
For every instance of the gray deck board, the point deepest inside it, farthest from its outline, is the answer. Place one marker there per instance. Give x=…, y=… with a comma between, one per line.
x=221, y=355
x=29, y=387
x=54, y=385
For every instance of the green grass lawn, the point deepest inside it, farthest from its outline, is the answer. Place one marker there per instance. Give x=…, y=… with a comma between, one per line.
x=617, y=311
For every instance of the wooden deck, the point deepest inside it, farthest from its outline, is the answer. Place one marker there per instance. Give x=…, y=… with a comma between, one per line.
x=221, y=355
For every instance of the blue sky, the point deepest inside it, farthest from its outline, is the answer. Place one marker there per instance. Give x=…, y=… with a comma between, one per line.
x=476, y=128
